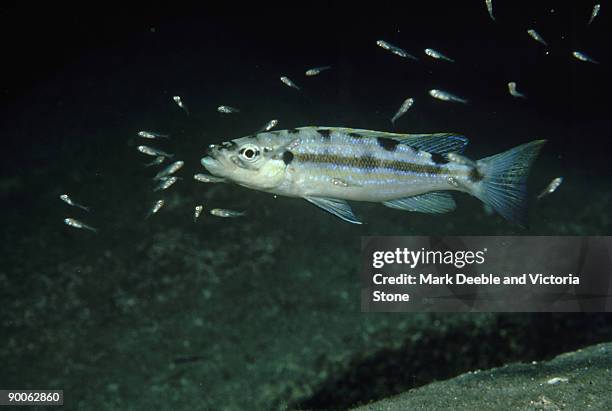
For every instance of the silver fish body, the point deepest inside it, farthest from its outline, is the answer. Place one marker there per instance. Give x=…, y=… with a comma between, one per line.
x=583, y=57
x=594, y=13
x=156, y=207
x=227, y=110
x=316, y=70
x=269, y=125
x=536, y=36
x=152, y=135
x=329, y=165
x=66, y=198
x=150, y=151
x=165, y=183
x=158, y=160
x=514, y=92
x=221, y=212
x=489, y=4
x=551, y=187
x=203, y=178
x=179, y=102
x=395, y=50
x=196, y=212
x=78, y=224
x=287, y=81
x=438, y=56
x=171, y=169
x=446, y=96
x=403, y=109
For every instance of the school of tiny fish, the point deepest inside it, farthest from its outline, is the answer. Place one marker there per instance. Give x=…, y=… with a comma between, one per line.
x=72, y=222
x=311, y=153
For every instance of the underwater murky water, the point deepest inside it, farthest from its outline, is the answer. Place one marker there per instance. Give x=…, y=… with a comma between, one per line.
x=263, y=311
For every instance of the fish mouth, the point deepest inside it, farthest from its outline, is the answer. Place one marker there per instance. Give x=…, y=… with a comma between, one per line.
x=210, y=162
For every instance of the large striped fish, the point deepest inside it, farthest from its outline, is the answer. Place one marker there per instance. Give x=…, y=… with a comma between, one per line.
x=413, y=172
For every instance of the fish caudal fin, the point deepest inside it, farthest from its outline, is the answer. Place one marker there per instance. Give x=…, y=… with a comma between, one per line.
x=502, y=181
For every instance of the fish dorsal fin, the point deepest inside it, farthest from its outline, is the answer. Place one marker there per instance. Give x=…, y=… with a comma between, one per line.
x=439, y=143
x=339, y=208
x=432, y=203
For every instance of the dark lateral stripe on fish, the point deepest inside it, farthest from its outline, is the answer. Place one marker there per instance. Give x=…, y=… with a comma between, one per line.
x=369, y=162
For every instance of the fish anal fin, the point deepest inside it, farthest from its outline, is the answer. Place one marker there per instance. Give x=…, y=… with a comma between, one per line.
x=432, y=203
x=339, y=208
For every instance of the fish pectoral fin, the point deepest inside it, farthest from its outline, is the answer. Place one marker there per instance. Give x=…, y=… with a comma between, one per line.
x=439, y=143
x=339, y=208
x=432, y=203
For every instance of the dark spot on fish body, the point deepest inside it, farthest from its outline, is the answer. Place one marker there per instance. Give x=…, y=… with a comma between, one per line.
x=388, y=144
x=355, y=136
x=475, y=175
x=438, y=158
x=325, y=133
x=287, y=157
x=293, y=131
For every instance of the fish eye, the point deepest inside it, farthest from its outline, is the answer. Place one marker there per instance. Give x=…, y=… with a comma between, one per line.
x=249, y=153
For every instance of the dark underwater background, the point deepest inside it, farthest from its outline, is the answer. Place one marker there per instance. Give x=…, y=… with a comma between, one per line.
x=263, y=312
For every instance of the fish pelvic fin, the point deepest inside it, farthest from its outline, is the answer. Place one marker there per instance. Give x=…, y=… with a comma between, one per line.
x=502, y=181
x=339, y=208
